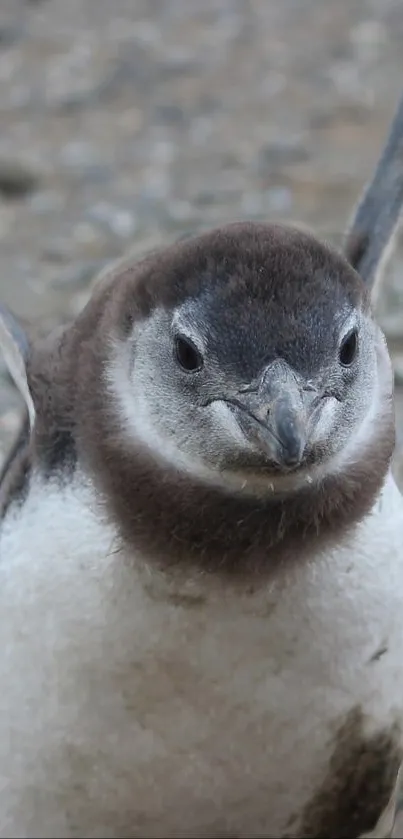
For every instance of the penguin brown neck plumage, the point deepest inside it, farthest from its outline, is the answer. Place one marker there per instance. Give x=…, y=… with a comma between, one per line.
x=200, y=525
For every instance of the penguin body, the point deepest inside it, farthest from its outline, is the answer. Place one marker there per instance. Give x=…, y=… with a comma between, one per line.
x=139, y=706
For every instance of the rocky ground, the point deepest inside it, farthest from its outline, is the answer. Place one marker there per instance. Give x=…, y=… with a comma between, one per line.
x=124, y=123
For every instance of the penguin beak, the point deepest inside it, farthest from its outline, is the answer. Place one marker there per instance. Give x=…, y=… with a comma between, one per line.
x=274, y=414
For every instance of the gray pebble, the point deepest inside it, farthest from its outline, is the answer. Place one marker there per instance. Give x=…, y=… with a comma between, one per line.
x=10, y=34
x=57, y=250
x=278, y=200
x=116, y=220
x=284, y=152
x=44, y=202
x=81, y=160
x=170, y=114
x=17, y=179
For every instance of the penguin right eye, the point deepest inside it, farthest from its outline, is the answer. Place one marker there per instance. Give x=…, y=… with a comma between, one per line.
x=187, y=355
x=348, y=348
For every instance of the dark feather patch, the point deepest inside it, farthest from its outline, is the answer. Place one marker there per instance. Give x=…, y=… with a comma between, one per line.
x=16, y=470
x=358, y=785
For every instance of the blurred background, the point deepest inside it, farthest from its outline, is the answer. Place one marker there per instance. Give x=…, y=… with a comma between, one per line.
x=127, y=123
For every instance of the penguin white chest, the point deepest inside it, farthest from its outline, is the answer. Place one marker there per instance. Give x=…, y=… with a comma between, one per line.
x=131, y=707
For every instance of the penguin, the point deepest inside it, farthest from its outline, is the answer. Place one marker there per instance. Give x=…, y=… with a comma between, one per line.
x=201, y=546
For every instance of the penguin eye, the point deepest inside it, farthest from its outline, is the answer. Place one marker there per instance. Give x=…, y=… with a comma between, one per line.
x=348, y=348
x=187, y=355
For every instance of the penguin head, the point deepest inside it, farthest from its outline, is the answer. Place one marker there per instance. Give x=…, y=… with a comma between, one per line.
x=248, y=356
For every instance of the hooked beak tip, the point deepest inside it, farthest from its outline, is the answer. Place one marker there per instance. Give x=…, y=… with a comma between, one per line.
x=288, y=425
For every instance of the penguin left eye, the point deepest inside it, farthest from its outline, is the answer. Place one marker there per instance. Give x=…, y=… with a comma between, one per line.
x=187, y=355
x=348, y=348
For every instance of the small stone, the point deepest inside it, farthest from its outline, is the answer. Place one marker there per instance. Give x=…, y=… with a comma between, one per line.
x=10, y=34
x=57, y=250
x=205, y=198
x=180, y=210
x=349, y=83
x=82, y=160
x=82, y=77
x=157, y=186
x=201, y=129
x=114, y=219
x=278, y=199
x=91, y=241
x=146, y=32
x=368, y=38
x=45, y=201
x=252, y=204
x=78, y=154
x=176, y=66
x=284, y=152
x=17, y=179
x=170, y=114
